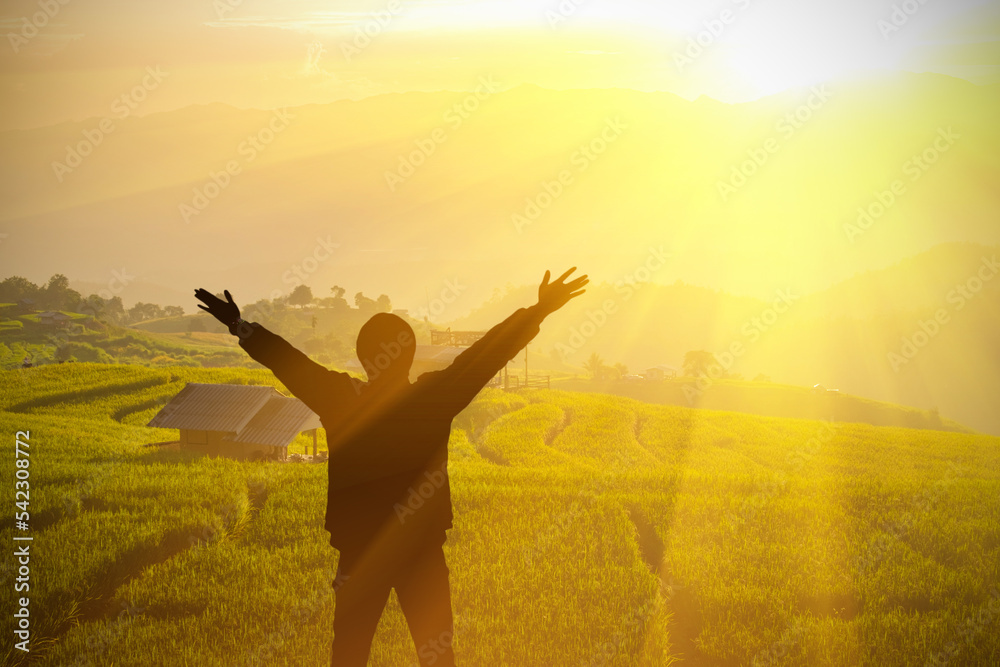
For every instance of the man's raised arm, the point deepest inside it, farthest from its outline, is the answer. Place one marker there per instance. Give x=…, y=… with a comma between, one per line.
x=473, y=368
x=309, y=381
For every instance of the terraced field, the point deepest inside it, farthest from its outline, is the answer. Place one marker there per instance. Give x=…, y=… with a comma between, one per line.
x=589, y=530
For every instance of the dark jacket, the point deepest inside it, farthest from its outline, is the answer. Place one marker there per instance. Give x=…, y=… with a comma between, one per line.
x=389, y=451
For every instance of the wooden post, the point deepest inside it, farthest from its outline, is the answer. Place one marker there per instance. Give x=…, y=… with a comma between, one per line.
x=314, y=442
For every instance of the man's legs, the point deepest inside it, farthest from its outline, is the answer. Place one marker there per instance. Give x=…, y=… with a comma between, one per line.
x=361, y=594
x=422, y=588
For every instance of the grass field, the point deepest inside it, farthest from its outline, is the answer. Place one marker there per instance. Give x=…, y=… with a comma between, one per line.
x=589, y=530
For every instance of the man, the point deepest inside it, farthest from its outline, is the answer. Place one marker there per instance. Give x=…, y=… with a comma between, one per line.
x=389, y=499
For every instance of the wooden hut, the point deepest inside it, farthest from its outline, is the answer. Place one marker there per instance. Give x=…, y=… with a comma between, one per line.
x=661, y=372
x=54, y=318
x=236, y=421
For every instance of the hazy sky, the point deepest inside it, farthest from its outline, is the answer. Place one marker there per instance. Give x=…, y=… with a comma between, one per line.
x=266, y=53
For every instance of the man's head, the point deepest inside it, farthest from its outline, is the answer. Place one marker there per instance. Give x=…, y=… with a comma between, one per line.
x=386, y=345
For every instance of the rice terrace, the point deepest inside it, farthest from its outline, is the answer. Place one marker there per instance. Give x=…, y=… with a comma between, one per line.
x=590, y=529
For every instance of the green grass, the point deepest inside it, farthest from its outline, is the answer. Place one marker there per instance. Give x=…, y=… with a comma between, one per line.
x=589, y=530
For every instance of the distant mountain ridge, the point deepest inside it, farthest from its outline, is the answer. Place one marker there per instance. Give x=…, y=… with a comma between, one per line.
x=658, y=183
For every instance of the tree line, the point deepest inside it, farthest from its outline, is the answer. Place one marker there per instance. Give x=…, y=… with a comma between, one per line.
x=56, y=294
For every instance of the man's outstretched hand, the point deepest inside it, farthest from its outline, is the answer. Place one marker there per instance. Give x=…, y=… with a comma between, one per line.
x=553, y=296
x=226, y=312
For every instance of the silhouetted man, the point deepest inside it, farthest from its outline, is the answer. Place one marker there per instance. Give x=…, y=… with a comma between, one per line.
x=389, y=500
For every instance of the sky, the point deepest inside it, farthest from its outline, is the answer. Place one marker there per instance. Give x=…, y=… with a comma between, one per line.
x=70, y=59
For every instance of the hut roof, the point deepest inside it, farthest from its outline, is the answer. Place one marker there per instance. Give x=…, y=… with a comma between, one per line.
x=277, y=423
x=248, y=413
x=213, y=407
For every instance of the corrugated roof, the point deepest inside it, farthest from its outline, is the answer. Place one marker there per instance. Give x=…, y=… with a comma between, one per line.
x=213, y=407
x=277, y=423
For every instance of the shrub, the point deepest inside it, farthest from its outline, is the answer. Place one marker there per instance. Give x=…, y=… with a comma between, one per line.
x=83, y=352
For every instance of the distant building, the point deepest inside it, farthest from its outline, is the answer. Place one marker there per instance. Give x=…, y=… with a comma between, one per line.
x=54, y=318
x=236, y=421
x=661, y=372
x=26, y=305
x=449, y=338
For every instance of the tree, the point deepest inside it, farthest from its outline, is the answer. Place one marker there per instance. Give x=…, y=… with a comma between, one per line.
x=93, y=305
x=114, y=310
x=301, y=296
x=173, y=311
x=82, y=352
x=383, y=304
x=595, y=365
x=621, y=369
x=15, y=288
x=696, y=362
x=337, y=302
x=57, y=294
x=103, y=310
x=141, y=312
x=364, y=304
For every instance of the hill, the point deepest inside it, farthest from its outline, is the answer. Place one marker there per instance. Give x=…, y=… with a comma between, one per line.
x=876, y=335
x=655, y=180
